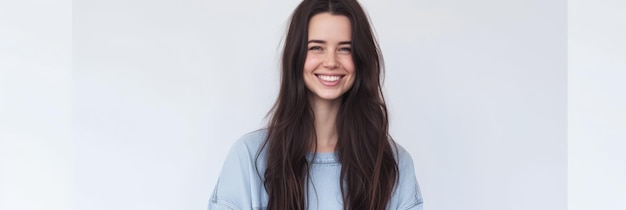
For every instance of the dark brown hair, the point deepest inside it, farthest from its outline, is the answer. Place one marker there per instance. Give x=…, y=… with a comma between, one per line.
x=368, y=168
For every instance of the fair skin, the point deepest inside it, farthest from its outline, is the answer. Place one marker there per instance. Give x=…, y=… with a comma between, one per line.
x=328, y=73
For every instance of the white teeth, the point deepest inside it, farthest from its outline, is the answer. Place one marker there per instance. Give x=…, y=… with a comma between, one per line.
x=329, y=78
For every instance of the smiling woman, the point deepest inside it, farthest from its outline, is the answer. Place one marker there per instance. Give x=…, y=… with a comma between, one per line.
x=327, y=144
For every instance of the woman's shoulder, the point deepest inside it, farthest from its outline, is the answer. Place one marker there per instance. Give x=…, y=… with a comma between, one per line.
x=253, y=138
x=403, y=157
x=249, y=143
x=240, y=177
x=407, y=194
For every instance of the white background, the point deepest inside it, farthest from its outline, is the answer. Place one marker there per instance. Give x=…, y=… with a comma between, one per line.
x=597, y=105
x=134, y=104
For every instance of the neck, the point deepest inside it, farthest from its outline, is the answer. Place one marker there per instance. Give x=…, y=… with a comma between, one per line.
x=325, y=113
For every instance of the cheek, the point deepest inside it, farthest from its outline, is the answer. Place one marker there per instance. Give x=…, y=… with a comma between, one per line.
x=310, y=63
x=348, y=64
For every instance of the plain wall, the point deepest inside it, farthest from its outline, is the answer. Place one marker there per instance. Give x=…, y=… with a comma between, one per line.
x=36, y=144
x=596, y=105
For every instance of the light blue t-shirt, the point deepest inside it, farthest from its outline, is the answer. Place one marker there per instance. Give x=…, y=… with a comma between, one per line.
x=240, y=187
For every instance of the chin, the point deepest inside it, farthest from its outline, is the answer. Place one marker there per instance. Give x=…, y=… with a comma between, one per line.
x=328, y=96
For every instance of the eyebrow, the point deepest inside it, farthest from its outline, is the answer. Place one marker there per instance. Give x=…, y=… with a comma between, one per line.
x=324, y=42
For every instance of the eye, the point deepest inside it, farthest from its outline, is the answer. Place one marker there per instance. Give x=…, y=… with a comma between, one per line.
x=315, y=48
x=345, y=49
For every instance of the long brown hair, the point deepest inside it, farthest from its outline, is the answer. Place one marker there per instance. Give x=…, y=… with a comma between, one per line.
x=368, y=168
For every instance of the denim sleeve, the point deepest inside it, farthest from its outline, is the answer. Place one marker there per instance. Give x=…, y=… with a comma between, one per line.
x=219, y=203
x=232, y=191
x=408, y=195
x=239, y=186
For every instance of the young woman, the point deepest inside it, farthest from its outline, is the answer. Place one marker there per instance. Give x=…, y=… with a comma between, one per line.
x=326, y=145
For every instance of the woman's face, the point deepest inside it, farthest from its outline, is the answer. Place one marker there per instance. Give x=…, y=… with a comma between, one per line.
x=328, y=68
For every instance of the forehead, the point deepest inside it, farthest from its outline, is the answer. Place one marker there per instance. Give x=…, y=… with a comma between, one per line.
x=328, y=27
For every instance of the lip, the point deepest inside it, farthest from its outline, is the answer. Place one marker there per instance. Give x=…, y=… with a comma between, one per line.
x=329, y=74
x=330, y=83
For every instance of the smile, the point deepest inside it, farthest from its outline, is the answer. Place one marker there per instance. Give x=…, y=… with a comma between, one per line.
x=329, y=80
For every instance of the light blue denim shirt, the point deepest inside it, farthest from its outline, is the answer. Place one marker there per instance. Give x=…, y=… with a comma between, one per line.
x=240, y=187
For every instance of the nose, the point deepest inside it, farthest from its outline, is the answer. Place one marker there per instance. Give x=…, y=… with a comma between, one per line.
x=331, y=60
